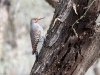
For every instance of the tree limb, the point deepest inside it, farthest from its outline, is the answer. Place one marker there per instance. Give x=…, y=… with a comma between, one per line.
x=53, y=3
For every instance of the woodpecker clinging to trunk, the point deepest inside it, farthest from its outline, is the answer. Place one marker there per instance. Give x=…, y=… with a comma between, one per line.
x=36, y=34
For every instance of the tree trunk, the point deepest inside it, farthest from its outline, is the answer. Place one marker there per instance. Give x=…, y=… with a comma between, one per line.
x=4, y=5
x=73, y=42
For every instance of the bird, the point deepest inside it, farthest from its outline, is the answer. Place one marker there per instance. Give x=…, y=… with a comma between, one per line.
x=36, y=34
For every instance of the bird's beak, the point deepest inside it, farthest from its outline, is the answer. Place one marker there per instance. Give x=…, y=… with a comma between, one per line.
x=41, y=18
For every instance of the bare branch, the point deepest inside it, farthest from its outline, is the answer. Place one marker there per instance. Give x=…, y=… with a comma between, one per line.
x=53, y=3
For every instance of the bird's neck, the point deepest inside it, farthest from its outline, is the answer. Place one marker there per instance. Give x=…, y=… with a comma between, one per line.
x=36, y=21
x=33, y=24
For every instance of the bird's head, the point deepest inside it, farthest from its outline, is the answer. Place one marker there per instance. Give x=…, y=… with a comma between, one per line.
x=35, y=20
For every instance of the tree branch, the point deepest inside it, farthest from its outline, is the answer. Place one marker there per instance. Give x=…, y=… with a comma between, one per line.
x=53, y=3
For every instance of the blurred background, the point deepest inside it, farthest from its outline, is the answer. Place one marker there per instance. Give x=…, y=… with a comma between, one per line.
x=15, y=46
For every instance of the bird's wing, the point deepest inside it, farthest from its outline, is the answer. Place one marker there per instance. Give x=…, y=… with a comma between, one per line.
x=35, y=36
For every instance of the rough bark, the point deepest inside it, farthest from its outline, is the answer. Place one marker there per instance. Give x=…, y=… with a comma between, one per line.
x=72, y=43
x=53, y=3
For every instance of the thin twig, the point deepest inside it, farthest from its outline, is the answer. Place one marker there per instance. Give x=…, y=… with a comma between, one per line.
x=36, y=7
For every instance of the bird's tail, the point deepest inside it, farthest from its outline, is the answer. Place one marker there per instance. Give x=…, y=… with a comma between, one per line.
x=36, y=54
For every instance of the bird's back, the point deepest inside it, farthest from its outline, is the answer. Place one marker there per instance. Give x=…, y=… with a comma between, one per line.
x=36, y=33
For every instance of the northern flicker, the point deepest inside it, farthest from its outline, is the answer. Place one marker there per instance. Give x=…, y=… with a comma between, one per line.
x=36, y=34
